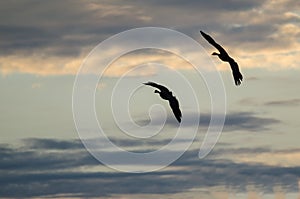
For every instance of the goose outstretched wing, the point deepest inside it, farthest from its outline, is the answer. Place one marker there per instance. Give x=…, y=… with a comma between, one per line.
x=160, y=87
x=215, y=44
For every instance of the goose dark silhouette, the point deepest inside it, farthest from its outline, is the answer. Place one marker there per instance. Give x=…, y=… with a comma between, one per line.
x=223, y=55
x=166, y=94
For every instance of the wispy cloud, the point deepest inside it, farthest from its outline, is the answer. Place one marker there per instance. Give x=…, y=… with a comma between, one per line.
x=288, y=102
x=284, y=158
x=239, y=121
x=36, y=85
x=283, y=102
x=48, y=144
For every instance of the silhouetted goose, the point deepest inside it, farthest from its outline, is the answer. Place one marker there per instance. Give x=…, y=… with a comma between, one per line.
x=223, y=55
x=167, y=95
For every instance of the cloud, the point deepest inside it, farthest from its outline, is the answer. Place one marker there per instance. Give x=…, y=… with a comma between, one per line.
x=284, y=158
x=261, y=155
x=70, y=172
x=137, y=63
x=288, y=102
x=284, y=102
x=39, y=42
x=39, y=65
x=35, y=143
x=249, y=121
x=239, y=121
x=249, y=102
x=75, y=25
x=213, y=5
x=36, y=85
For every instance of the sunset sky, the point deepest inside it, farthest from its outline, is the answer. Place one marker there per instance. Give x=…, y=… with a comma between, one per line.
x=44, y=43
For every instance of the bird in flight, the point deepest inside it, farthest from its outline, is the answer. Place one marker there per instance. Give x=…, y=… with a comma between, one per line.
x=223, y=55
x=166, y=94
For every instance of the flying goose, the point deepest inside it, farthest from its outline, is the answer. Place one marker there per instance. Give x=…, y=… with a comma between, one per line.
x=166, y=94
x=223, y=55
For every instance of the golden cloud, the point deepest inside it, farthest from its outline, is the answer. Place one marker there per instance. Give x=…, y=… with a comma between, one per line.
x=281, y=158
x=281, y=51
x=39, y=65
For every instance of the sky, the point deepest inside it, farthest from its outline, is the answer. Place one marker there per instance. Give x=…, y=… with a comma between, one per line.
x=43, y=46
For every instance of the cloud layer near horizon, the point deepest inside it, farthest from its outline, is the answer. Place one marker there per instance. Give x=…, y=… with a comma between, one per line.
x=49, y=167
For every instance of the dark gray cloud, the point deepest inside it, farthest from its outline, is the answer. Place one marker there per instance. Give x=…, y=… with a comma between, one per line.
x=247, y=34
x=52, y=144
x=18, y=37
x=37, y=160
x=60, y=41
x=236, y=24
x=151, y=142
x=288, y=102
x=214, y=5
x=60, y=28
x=65, y=28
x=248, y=121
x=60, y=173
x=38, y=154
x=239, y=121
x=38, y=143
x=284, y=102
